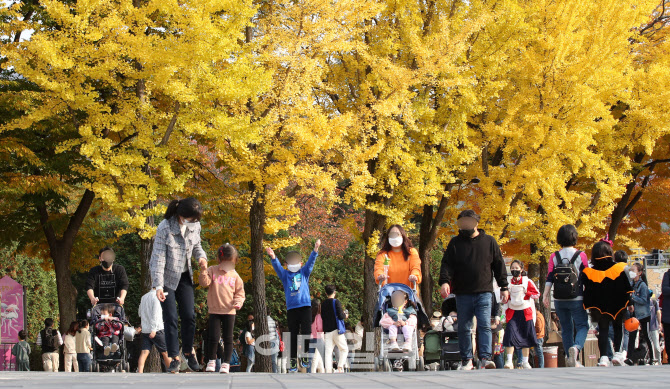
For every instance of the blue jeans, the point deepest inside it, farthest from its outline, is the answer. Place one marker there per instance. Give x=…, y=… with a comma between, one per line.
x=540, y=354
x=498, y=359
x=573, y=317
x=468, y=306
x=84, y=360
x=275, y=368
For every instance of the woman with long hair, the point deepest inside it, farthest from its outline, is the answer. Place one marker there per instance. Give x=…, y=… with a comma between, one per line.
x=177, y=241
x=397, y=261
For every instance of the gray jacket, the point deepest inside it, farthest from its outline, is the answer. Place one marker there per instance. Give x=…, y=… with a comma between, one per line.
x=171, y=251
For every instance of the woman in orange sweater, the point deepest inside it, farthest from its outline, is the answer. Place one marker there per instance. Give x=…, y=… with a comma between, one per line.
x=398, y=261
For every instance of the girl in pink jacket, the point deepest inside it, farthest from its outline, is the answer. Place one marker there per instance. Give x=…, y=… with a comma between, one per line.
x=224, y=298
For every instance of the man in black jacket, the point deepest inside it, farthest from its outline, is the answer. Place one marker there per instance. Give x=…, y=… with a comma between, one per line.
x=469, y=264
x=107, y=282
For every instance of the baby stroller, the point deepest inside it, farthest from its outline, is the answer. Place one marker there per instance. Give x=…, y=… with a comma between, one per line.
x=450, y=356
x=386, y=355
x=117, y=361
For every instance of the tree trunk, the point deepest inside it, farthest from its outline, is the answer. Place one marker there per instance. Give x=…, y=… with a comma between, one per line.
x=67, y=293
x=257, y=227
x=427, y=235
x=60, y=250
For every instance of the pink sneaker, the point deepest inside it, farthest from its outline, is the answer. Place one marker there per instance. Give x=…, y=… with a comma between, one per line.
x=225, y=368
x=211, y=366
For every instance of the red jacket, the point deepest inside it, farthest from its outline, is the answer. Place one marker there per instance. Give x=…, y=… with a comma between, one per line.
x=531, y=293
x=105, y=329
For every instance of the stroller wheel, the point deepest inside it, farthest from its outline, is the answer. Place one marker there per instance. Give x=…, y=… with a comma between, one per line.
x=420, y=366
x=96, y=367
x=398, y=365
x=387, y=365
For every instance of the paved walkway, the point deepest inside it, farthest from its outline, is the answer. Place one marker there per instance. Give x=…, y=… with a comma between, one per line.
x=655, y=377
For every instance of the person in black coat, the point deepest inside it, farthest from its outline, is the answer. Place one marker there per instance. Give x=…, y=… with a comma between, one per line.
x=470, y=263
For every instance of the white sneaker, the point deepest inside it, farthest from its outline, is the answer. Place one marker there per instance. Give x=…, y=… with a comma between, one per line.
x=407, y=346
x=467, y=366
x=211, y=366
x=225, y=368
x=107, y=350
x=604, y=361
x=619, y=358
x=573, y=354
x=509, y=365
x=526, y=365
x=115, y=347
x=578, y=364
x=393, y=346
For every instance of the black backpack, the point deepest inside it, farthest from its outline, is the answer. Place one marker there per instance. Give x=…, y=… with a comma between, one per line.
x=566, y=279
x=50, y=340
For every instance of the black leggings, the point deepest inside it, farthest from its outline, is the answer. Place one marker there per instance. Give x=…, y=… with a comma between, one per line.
x=299, y=321
x=644, y=336
x=214, y=334
x=604, y=329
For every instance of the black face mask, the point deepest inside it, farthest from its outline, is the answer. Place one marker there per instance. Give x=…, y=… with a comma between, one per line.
x=516, y=273
x=466, y=233
x=106, y=264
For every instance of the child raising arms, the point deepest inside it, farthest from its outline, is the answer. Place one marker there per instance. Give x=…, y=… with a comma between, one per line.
x=295, y=279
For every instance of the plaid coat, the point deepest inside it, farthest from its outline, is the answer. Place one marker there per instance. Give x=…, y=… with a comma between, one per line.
x=171, y=250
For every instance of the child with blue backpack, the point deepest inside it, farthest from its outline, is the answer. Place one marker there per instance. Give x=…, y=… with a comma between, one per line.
x=295, y=279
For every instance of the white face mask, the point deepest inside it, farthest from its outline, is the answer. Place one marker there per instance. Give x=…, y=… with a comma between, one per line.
x=395, y=242
x=188, y=223
x=293, y=267
x=632, y=274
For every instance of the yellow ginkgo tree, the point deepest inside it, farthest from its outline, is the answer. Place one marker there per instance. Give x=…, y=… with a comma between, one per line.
x=406, y=84
x=293, y=145
x=552, y=138
x=125, y=88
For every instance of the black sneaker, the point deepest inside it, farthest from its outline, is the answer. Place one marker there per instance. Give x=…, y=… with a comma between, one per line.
x=174, y=366
x=192, y=362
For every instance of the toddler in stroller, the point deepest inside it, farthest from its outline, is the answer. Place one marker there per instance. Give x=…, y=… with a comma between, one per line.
x=108, y=329
x=401, y=315
x=109, y=346
x=399, y=309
